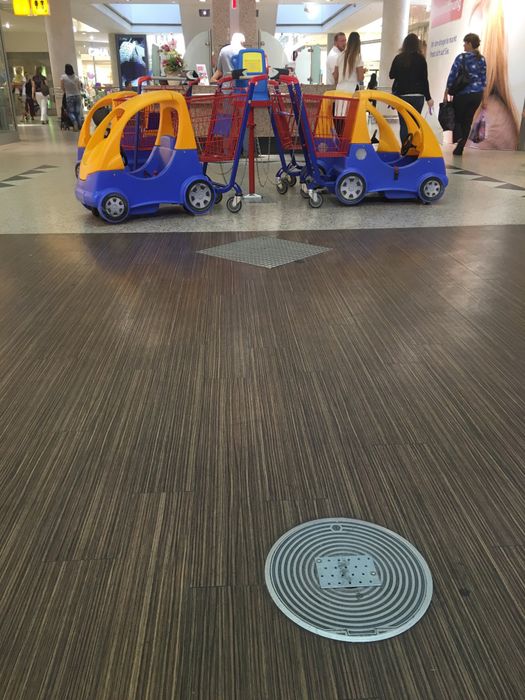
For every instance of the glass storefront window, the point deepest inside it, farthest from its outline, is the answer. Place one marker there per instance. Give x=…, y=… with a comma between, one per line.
x=8, y=130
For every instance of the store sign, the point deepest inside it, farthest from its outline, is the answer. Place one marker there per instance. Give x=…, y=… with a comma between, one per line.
x=40, y=7
x=444, y=11
x=98, y=52
x=28, y=8
x=22, y=8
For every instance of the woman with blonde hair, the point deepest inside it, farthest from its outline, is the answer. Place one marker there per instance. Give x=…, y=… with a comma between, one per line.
x=349, y=72
x=348, y=75
x=499, y=110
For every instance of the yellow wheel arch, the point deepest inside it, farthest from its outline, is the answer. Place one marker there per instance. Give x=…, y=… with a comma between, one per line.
x=110, y=100
x=104, y=153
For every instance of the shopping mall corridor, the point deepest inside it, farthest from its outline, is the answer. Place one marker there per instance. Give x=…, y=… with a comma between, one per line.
x=166, y=415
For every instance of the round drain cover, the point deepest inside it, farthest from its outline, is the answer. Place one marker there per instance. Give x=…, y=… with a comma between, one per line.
x=348, y=580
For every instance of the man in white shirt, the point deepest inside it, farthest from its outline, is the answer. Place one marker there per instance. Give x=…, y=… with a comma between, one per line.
x=226, y=55
x=337, y=49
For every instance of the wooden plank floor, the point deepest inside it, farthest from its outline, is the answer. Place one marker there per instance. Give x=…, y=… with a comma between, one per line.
x=166, y=416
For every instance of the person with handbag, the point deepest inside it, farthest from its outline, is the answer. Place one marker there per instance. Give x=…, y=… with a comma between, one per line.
x=40, y=93
x=466, y=82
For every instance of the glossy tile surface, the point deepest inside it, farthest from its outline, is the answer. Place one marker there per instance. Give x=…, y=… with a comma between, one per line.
x=467, y=201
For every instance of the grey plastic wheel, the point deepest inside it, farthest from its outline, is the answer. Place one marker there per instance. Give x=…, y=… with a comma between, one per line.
x=199, y=197
x=350, y=188
x=114, y=208
x=316, y=200
x=431, y=190
x=282, y=187
x=233, y=206
x=218, y=197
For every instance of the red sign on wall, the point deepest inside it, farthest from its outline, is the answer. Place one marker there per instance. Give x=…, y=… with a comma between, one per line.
x=444, y=11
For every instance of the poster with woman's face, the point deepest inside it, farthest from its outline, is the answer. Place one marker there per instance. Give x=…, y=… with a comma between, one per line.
x=133, y=61
x=499, y=24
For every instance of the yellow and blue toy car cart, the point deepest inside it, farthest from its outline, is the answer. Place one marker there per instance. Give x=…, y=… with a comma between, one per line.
x=106, y=104
x=341, y=158
x=172, y=173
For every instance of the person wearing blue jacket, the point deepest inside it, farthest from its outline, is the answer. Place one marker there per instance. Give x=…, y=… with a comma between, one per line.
x=469, y=98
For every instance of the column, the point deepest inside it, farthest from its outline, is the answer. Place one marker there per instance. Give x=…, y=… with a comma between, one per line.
x=220, y=27
x=395, y=28
x=114, y=58
x=245, y=19
x=60, y=41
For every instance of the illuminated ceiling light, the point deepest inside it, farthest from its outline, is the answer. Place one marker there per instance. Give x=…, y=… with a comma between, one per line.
x=7, y=25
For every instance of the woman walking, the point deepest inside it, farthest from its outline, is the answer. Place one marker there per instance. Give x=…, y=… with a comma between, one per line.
x=410, y=75
x=468, y=97
x=40, y=92
x=71, y=87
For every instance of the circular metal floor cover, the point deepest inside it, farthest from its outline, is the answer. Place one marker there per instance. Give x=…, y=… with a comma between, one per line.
x=348, y=580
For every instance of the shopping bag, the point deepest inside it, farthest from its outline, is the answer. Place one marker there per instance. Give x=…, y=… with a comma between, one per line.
x=479, y=129
x=446, y=116
x=434, y=124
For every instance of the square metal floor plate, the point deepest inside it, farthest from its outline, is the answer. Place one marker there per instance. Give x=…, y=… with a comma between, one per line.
x=264, y=251
x=357, y=571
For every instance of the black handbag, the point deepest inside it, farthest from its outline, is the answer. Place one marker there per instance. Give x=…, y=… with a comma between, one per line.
x=446, y=116
x=461, y=81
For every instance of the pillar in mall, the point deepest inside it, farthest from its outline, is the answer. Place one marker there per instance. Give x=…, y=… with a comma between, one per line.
x=395, y=28
x=226, y=20
x=244, y=19
x=114, y=58
x=60, y=40
x=220, y=26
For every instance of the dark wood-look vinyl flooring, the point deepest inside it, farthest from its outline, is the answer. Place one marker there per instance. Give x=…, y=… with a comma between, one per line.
x=165, y=416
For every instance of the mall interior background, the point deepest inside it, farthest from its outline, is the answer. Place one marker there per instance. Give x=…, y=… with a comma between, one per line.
x=292, y=33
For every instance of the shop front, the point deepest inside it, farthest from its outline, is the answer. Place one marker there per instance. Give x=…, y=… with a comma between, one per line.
x=8, y=130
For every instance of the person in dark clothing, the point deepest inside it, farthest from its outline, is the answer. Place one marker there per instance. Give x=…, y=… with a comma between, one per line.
x=467, y=100
x=372, y=83
x=29, y=111
x=410, y=75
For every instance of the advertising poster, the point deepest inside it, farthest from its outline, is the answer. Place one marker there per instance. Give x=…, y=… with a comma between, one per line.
x=203, y=73
x=132, y=58
x=499, y=24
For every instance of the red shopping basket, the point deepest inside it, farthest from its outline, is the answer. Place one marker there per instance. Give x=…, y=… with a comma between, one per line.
x=331, y=122
x=148, y=126
x=217, y=120
x=285, y=122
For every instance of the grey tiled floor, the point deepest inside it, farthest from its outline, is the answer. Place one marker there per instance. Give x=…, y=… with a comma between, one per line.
x=468, y=200
x=264, y=251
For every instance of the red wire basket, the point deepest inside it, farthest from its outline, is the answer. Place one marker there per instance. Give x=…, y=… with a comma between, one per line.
x=331, y=122
x=149, y=119
x=285, y=121
x=217, y=121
